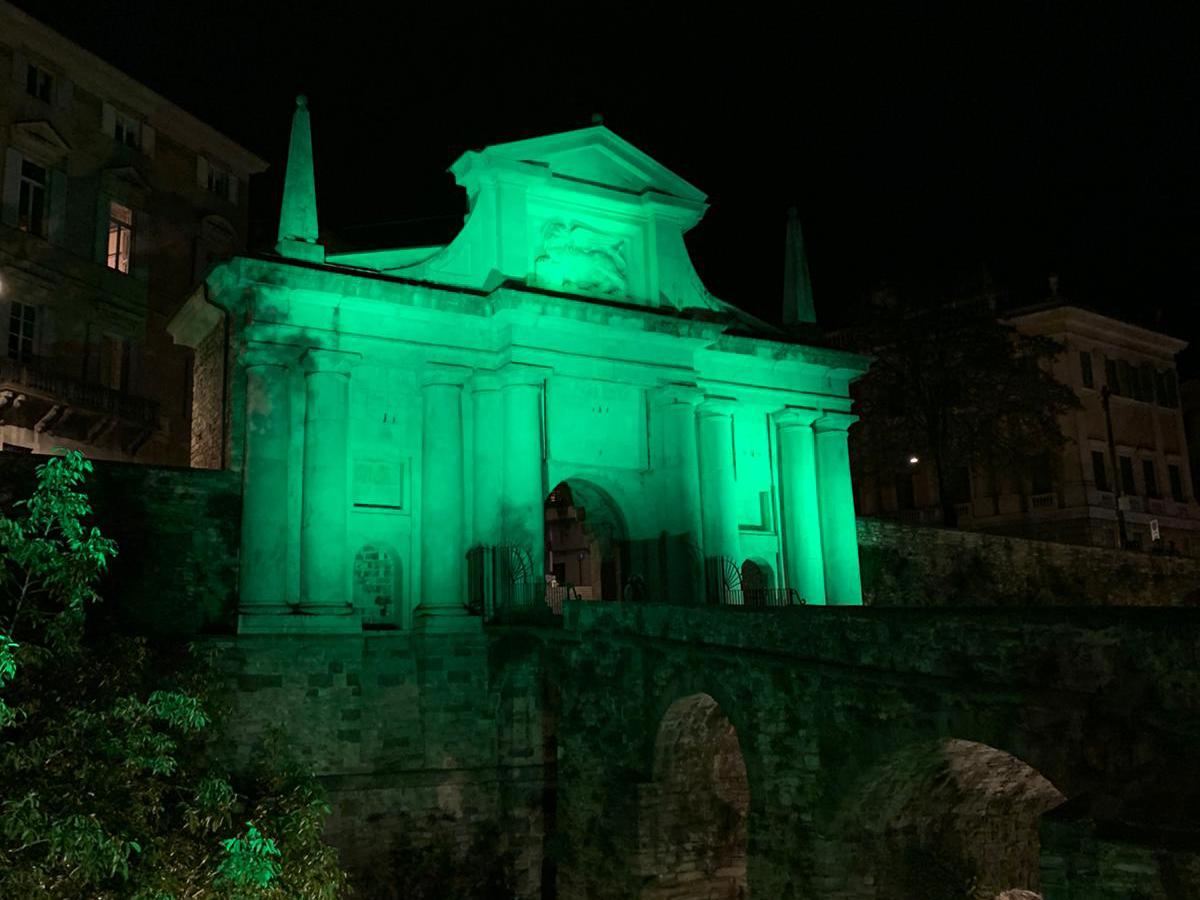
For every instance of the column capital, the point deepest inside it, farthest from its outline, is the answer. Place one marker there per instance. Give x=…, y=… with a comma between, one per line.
x=516, y=374
x=254, y=354
x=834, y=421
x=320, y=359
x=445, y=374
x=675, y=395
x=716, y=406
x=796, y=417
x=485, y=380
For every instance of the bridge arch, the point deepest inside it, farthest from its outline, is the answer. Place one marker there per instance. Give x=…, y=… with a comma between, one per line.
x=944, y=818
x=693, y=814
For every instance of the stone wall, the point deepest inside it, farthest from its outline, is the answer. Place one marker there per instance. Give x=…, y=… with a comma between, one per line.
x=177, y=534
x=209, y=410
x=907, y=565
x=411, y=735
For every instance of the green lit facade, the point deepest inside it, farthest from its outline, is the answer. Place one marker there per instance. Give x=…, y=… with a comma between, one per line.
x=392, y=409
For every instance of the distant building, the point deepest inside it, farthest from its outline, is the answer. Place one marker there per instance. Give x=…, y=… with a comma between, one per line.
x=113, y=204
x=1074, y=498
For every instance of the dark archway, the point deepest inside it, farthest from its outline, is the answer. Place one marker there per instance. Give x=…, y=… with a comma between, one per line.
x=942, y=820
x=693, y=814
x=587, y=541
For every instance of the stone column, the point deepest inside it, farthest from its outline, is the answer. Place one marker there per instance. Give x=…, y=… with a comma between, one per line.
x=324, y=505
x=801, y=511
x=524, y=499
x=680, y=498
x=839, y=535
x=718, y=485
x=488, y=458
x=443, y=538
x=262, y=573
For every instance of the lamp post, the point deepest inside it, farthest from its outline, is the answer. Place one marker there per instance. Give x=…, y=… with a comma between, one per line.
x=1122, y=539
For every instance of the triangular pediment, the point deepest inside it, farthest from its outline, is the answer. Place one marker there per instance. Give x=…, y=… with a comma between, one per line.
x=40, y=139
x=597, y=156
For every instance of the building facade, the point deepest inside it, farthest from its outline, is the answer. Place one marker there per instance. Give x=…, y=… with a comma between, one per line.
x=113, y=204
x=416, y=403
x=1075, y=498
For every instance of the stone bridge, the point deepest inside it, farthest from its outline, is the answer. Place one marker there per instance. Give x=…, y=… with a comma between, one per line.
x=654, y=751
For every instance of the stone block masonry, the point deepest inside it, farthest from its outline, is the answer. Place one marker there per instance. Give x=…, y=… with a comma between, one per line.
x=412, y=735
x=907, y=565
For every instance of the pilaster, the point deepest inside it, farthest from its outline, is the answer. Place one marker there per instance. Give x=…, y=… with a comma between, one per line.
x=839, y=535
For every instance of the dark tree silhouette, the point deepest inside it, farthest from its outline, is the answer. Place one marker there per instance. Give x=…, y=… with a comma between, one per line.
x=954, y=385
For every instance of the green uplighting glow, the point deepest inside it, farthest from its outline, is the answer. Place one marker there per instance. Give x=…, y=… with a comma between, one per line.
x=394, y=408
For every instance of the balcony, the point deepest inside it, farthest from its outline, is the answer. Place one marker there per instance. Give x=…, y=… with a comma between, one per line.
x=34, y=396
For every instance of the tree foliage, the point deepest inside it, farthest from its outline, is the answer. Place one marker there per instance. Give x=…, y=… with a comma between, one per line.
x=107, y=790
x=955, y=386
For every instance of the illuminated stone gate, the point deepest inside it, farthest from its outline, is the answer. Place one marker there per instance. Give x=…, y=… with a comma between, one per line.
x=392, y=409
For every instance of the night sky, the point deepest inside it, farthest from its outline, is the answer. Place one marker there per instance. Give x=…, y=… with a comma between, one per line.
x=919, y=148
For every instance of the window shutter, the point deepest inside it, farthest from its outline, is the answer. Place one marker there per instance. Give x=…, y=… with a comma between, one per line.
x=5, y=311
x=12, y=187
x=43, y=331
x=202, y=172
x=20, y=68
x=108, y=120
x=147, y=139
x=139, y=262
x=64, y=91
x=233, y=188
x=57, y=226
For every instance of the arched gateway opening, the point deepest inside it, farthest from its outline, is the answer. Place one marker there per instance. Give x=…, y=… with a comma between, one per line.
x=587, y=543
x=692, y=815
x=949, y=819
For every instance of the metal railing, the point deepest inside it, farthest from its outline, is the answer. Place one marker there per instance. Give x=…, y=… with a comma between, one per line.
x=761, y=598
x=32, y=376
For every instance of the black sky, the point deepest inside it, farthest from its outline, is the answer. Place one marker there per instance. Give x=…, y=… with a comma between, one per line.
x=917, y=145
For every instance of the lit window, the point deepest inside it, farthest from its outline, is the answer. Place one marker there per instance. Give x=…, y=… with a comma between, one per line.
x=31, y=199
x=127, y=131
x=120, y=236
x=22, y=318
x=38, y=82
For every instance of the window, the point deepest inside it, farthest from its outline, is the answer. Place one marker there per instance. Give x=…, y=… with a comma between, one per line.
x=1176, y=478
x=32, y=199
x=114, y=364
x=120, y=236
x=218, y=181
x=1085, y=368
x=127, y=131
x=1110, y=376
x=1125, y=374
x=22, y=319
x=1099, y=471
x=1172, y=389
x=1145, y=375
x=1150, y=477
x=1126, y=465
x=38, y=82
